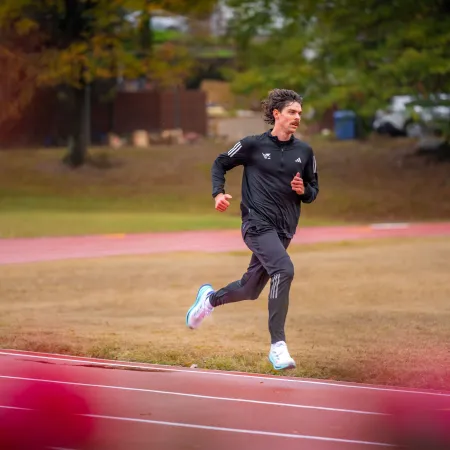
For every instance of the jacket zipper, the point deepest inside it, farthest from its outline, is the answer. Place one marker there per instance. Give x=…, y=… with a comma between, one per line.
x=282, y=154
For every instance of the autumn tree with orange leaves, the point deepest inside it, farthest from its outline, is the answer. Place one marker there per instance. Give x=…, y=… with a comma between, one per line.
x=73, y=43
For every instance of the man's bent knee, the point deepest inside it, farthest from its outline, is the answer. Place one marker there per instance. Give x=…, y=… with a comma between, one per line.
x=252, y=292
x=252, y=288
x=286, y=270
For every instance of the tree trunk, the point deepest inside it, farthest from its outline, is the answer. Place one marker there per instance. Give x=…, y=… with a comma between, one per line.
x=79, y=141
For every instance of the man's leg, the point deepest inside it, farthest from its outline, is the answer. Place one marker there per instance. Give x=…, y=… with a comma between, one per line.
x=270, y=250
x=270, y=260
x=249, y=287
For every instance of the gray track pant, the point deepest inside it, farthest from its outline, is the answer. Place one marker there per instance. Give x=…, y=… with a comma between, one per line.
x=269, y=261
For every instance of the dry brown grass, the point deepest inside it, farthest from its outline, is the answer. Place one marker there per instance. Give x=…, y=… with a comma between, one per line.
x=371, y=312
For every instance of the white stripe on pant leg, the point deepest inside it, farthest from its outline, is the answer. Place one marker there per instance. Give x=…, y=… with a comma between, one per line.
x=272, y=288
x=278, y=284
x=274, y=281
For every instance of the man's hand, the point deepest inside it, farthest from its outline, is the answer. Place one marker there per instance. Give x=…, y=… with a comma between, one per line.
x=222, y=202
x=297, y=184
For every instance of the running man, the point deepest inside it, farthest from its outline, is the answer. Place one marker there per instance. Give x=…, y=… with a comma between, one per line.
x=280, y=173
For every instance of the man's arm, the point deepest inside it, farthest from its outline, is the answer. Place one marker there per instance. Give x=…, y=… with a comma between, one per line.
x=235, y=156
x=311, y=180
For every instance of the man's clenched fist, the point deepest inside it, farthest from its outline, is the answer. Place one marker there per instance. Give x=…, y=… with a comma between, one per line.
x=297, y=184
x=222, y=202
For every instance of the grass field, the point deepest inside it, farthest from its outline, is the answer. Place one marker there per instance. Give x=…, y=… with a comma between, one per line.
x=374, y=312
x=169, y=188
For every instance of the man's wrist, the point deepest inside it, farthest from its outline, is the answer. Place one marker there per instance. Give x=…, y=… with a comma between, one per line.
x=215, y=194
x=306, y=191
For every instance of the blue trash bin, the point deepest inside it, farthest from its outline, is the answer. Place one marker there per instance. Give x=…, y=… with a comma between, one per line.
x=344, y=124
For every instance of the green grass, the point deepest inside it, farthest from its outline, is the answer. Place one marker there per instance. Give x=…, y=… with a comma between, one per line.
x=71, y=223
x=26, y=216
x=168, y=188
x=38, y=223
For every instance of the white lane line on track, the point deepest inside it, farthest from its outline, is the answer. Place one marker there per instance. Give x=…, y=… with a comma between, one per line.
x=390, y=226
x=248, y=376
x=182, y=394
x=16, y=408
x=234, y=430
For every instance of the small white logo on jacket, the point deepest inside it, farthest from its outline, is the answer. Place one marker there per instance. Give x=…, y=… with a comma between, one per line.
x=298, y=160
x=266, y=155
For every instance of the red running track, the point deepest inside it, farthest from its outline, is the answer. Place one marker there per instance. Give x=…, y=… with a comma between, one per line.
x=57, y=248
x=142, y=406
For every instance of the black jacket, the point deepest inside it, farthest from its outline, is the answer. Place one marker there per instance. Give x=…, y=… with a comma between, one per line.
x=268, y=201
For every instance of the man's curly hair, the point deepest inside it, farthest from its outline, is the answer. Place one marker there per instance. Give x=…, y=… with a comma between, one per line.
x=278, y=99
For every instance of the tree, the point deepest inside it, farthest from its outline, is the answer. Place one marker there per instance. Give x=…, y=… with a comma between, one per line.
x=72, y=43
x=339, y=52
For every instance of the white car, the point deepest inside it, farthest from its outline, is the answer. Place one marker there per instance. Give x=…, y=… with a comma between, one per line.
x=404, y=118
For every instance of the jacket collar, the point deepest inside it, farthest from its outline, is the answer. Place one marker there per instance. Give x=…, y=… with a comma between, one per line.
x=277, y=141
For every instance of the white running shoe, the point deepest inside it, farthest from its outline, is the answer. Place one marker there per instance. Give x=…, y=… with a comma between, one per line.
x=201, y=307
x=280, y=357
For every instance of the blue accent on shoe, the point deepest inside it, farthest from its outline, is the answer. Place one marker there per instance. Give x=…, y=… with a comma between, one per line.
x=199, y=296
x=282, y=367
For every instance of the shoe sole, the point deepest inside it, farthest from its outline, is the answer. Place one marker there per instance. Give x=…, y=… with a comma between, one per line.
x=195, y=304
x=289, y=366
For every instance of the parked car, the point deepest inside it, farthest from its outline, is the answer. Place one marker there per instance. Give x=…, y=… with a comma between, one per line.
x=407, y=115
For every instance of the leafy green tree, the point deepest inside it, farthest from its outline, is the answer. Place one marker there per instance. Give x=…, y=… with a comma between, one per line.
x=354, y=55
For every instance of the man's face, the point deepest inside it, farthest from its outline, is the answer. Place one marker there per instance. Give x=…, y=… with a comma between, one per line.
x=288, y=119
